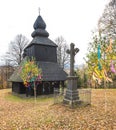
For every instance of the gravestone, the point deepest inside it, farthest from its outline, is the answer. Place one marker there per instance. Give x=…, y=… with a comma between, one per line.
x=72, y=97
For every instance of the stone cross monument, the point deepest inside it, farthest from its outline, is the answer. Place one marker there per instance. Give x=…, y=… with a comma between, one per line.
x=71, y=97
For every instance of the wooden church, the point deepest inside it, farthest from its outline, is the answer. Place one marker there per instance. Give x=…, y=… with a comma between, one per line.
x=44, y=51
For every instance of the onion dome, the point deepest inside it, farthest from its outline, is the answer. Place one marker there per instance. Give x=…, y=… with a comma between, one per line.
x=39, y=28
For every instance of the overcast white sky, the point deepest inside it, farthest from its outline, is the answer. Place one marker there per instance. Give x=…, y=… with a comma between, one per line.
x=73, y=19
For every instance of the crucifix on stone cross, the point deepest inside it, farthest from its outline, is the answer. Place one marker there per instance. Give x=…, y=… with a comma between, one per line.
x=73, y=51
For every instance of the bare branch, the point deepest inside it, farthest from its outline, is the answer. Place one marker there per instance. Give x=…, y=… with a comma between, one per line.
x=16, y=47
x=62, y=56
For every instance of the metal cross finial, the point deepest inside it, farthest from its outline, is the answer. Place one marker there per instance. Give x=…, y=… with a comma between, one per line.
x=39, y=10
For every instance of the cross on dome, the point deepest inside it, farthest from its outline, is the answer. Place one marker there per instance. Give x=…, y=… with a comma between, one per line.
x=39, y=10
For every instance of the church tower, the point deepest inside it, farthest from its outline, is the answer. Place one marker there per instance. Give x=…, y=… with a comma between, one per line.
x=41, y=47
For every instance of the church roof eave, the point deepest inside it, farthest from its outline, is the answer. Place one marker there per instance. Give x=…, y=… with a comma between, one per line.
x=42, y=41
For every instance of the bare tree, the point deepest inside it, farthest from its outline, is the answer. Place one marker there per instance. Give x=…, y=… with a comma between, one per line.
x=16, y=47
x=107, y=22
x=62, y=56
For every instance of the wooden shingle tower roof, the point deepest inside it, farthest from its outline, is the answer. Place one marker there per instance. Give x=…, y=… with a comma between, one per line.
x=40, y=35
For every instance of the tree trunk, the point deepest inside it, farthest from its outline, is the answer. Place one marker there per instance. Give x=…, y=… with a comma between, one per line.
x=35, y=91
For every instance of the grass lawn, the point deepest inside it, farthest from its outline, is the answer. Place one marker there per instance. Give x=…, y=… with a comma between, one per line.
x=25, y=114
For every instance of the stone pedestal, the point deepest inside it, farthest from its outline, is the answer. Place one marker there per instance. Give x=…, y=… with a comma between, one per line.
x=72, y=97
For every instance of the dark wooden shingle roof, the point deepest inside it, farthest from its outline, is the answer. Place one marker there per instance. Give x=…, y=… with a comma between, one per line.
x=50, y=72
x=42, y=41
